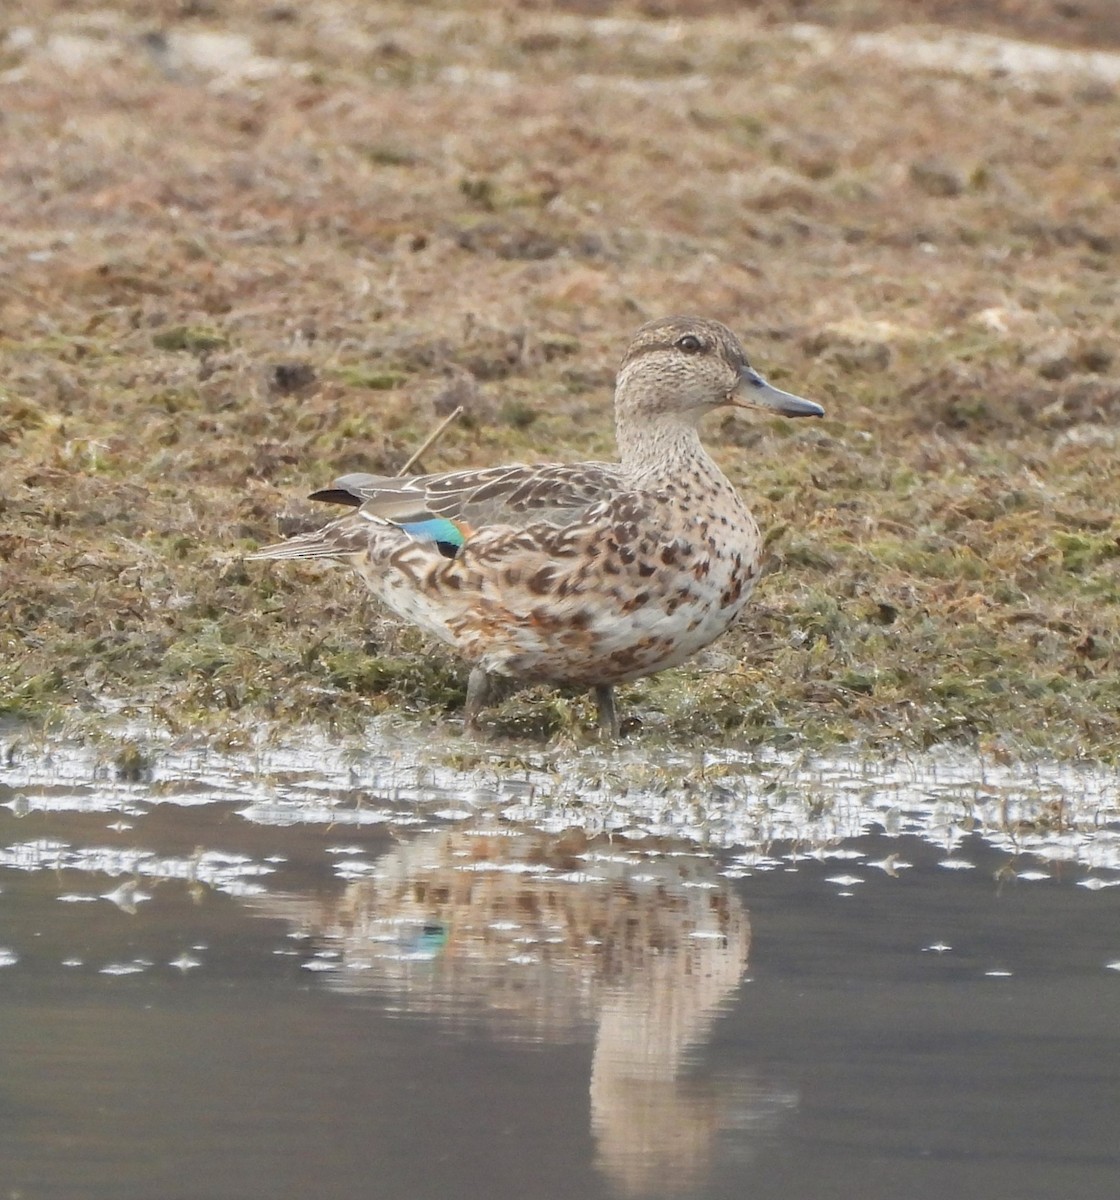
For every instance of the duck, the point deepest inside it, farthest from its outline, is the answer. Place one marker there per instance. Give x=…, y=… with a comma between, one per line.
x=583, y=575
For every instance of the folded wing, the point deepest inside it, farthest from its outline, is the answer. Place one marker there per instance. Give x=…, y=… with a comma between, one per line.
x=514, y=495
x=446, y=509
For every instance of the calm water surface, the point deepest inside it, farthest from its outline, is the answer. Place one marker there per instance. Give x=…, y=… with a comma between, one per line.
x=307, y=972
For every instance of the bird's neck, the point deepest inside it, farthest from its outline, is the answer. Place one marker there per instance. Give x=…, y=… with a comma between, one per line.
x=655, y=449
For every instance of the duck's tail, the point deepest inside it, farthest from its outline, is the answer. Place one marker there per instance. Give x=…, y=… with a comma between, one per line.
x=338, y=540
x=307, y=545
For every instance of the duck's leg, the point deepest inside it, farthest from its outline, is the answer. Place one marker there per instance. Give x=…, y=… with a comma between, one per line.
x=478, y=692
x=608, y=718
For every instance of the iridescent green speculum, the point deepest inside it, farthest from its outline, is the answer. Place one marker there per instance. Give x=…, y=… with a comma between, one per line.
x=447, y=535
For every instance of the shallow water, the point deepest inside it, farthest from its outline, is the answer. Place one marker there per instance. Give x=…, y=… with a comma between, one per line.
x=314, y=971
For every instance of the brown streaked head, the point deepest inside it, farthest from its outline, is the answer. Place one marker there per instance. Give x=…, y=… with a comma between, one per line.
x=687, y=366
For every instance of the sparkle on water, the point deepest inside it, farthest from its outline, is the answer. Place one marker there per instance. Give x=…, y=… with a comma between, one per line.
x=751, y=800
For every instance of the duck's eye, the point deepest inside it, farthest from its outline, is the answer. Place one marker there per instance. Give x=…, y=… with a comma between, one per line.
x=690, y=344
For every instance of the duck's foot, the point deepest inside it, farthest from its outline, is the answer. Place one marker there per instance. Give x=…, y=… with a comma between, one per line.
x=608, y=717
x=479, y=687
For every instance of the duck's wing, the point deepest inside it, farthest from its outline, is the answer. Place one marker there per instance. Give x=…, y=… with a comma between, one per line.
x=444, y=510
x=515, y=495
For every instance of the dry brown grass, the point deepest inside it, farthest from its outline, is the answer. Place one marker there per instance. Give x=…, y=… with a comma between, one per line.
x=221, y=286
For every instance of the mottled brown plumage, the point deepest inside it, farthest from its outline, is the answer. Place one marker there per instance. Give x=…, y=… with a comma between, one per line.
x=588, y=574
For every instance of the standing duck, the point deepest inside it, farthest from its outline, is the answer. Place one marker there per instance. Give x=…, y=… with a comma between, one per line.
x=584, y=574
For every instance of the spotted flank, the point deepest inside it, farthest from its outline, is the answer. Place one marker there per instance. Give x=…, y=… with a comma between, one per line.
x=584, y=574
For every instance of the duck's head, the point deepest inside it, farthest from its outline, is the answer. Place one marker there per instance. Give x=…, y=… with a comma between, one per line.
x=684, y=367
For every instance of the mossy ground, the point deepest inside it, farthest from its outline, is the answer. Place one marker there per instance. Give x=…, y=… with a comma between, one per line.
x=227, y=279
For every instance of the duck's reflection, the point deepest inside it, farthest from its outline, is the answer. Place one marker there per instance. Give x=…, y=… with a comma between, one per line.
x=541, y=936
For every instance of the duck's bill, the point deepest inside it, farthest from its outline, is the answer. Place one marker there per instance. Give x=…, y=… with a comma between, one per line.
x=754, y=392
